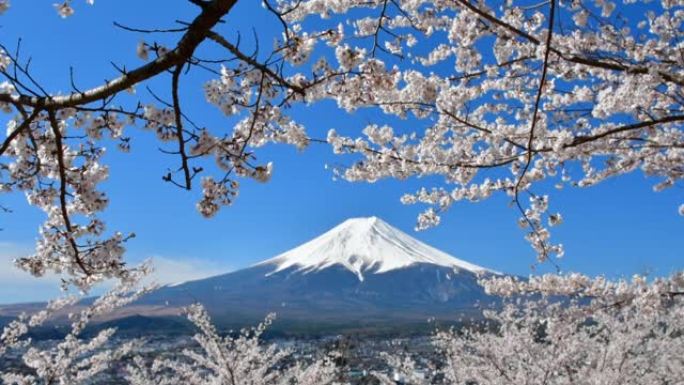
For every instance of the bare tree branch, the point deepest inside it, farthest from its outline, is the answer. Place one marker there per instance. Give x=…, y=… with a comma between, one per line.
x=179, y=127
x=197, y=31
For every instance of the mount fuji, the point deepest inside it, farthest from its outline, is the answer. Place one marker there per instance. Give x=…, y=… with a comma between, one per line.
x=364, y=245
x=361, y=274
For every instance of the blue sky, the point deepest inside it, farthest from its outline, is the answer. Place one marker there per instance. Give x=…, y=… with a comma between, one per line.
x=618, y=228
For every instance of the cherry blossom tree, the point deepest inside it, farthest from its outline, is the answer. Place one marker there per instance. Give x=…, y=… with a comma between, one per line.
x=598, y=332
x=241, y=360
x=75, y=359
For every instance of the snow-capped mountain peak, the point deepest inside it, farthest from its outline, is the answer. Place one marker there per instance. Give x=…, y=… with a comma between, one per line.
x=365, y=245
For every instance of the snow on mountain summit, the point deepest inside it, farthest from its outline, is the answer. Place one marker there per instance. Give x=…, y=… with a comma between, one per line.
x=365, y=245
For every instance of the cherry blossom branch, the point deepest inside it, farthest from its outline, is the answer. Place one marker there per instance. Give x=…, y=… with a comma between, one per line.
x=279, y=15
x=379, y=28
x=629, y=127
x=220, y=40
x=368, y=150
x=530, y=143
x=571, y=58
x=63, y=191
x=197, y=31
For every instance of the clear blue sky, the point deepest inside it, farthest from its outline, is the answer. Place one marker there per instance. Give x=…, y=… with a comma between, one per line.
x=618, y=228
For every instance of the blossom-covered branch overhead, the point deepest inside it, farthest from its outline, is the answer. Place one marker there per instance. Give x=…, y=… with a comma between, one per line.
x=500, y=98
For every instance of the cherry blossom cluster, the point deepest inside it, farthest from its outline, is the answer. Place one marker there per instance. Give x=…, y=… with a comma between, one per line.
x=54, y=144
x=13, y=334
x=610, y=102
x=580, y=330
x=60, y=175
x=545, y=343
x=64, y=9
x=74, y=359
x=244, y=359
x=639, y=291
